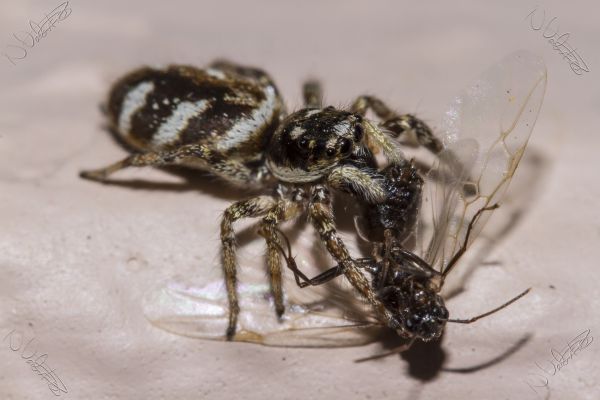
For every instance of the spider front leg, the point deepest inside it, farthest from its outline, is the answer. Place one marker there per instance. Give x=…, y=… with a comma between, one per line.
x=254, y=207
x=398, y=124
x=321, y=215
x=364, y=183
x=192, y=154
x=285, y=210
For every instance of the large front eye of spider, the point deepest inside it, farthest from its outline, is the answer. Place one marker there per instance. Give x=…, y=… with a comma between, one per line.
x=303, y=144
x=345, y=146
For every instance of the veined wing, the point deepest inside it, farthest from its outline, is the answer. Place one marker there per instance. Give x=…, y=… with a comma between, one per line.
x=485, y=132
x=314, y=317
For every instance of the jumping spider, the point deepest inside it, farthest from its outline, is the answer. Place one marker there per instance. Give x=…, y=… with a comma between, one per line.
x=231, y=121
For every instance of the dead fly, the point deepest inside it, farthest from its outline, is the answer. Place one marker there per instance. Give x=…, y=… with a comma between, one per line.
x=231, y=121
x=485, y=133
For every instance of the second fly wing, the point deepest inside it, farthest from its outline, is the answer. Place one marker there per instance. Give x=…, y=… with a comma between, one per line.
x=485, y=132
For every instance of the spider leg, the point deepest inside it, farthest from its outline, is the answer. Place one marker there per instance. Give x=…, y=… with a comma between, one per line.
x=289, y=259
x=285, y=210
x=364, y=183
x=274, y=265
x=195, y=154
x=313, y=94
x=250, y=208
x=398, y=124
x=321, y=215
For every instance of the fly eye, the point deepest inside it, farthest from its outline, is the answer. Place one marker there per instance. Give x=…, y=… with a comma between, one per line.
x=330, y=152
x=420, y=297
x=346, y=146
x=413, y=321
x=359, y=132
x=441, y=312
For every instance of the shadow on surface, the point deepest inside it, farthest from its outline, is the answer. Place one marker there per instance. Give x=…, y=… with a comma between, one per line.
x=426, y=360
x=191, y=180
x=496, y=360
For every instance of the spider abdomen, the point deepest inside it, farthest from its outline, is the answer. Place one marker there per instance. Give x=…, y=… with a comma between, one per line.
x=160, y=109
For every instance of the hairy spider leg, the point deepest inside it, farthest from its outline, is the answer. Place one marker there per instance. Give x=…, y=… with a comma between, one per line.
x=398, y=124
x=216, y=163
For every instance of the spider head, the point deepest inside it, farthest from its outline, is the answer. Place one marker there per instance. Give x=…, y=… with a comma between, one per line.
x=418, y=310
x=310, y=142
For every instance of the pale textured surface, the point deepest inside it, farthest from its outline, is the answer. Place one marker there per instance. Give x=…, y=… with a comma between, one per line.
x=77, y=257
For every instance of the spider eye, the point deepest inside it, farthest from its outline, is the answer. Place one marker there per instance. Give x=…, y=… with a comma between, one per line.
x=358, y=132
x=330, y=152
x=346, y=146
x=303, y=143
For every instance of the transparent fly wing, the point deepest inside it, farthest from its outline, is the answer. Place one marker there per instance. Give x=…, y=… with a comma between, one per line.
x=445, y=181
x=497, y=112
x=314, y=317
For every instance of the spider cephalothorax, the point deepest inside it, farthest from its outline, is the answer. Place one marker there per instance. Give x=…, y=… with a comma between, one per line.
x=311, y=142
x=231, y=121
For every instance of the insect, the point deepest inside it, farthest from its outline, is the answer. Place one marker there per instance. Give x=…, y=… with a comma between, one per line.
x=485, y=131
x=231, y=121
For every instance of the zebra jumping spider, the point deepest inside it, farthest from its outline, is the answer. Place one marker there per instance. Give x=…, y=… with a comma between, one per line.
x=231, y=121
